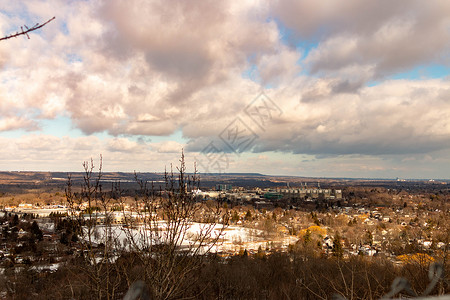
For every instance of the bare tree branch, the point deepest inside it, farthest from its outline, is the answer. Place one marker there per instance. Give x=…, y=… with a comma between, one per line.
x=28, y=30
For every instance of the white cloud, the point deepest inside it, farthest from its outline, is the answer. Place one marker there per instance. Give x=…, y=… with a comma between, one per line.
x=124, y=145
x=14, y=122
x=155, y=67
x=167, y=147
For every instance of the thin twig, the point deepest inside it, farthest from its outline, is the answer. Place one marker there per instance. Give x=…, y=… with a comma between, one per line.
x=27, y=31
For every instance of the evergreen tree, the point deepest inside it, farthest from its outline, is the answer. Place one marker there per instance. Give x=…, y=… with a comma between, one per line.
x=36, y=231
x=338, y=250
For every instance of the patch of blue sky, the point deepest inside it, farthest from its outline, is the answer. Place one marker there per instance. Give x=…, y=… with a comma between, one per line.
x=373, y=83
x=20, y=12
x=301, y=44
x=13, y=134
x=293, y=40
x=64, y=28
x=17, y=11
x=60, y=127
x=67, y=129
x=8, y=14
x=421, y=72
x=251, y=73
x=431, y=71
x=176, y=136
x=73, y=58
x=290, y=39
x=286, y=34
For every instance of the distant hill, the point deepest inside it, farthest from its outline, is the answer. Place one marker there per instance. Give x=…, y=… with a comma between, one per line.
x=234, y=174
x=17, y=182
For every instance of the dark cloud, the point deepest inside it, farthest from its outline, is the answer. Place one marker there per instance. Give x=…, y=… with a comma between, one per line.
x=385, y=36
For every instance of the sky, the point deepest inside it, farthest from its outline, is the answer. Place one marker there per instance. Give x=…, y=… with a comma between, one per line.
x=355, y=88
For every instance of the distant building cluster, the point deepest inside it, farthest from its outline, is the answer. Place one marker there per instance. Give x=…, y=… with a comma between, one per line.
x=223, y=187
x=268, y=198
x=304, y=193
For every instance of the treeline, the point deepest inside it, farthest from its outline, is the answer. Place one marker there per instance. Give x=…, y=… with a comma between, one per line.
x=278, y=276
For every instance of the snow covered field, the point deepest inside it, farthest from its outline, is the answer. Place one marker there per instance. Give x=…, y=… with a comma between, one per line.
x=232, y=238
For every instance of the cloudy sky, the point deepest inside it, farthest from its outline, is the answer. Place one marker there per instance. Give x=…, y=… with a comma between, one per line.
x=355, y=88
